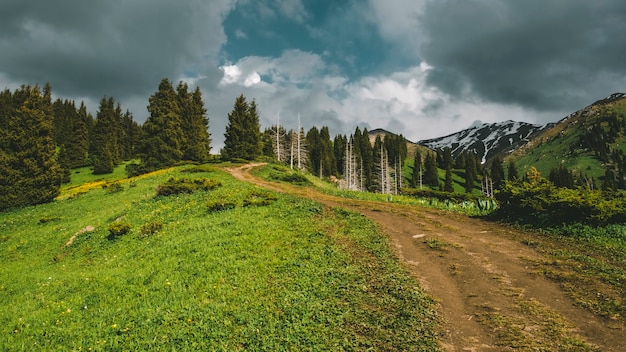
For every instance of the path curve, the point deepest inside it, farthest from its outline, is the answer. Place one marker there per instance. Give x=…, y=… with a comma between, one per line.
x=480, y=273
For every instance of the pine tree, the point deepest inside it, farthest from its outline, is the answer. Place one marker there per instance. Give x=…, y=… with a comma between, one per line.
x=512, y=171
x=431, y=175
x=103, y=148
x=339, y=148
x=315, y=150
x=329, y=166
x=162, y=134
x=195, y=124
x=416, y=175
x=448, y=185
x=378, y=183
x=471, y=174
x=29, y=170
x=497, y=173
x=243, y=132
x=367, y=157
x=130, y=136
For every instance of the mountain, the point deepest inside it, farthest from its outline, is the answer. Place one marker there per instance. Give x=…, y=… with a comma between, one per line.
x=590, y=141
x=411, y=147
x=486, y=139
x=378, y=132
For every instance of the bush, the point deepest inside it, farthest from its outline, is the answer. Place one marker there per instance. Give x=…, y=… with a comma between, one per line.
x=542, y=204
x=259, y=198
x=117, y=229
x=113, y=187
x=132, y=170
x=151, y=228
x=290, y=177
x=221, y=205
x=186, y=185
x=199, y=169
x=48, y=219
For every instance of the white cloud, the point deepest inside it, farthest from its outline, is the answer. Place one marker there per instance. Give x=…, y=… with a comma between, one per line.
x=252, y=79
x=231, y=74
x=293, y=9
x=401, y=102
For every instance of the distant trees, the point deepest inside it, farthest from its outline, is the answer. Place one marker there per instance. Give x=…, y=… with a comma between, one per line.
x=243, y=132
x=416, y=175
x=176, y=130
x=29, y=170
x=104, y=149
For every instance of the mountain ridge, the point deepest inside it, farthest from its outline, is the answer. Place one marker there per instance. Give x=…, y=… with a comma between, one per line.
x=486, y=139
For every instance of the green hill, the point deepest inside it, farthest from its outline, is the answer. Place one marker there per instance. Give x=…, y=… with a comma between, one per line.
x=588, y=141
x=233, y=268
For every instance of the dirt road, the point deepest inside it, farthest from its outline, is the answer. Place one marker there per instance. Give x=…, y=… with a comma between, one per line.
x=483, y=276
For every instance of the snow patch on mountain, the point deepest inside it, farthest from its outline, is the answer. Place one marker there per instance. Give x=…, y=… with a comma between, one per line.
x=485, y=139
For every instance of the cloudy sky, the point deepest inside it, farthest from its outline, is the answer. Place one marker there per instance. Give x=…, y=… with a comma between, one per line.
x=423, y=68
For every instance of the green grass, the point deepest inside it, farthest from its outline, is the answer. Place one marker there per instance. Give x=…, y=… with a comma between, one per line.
x=590, y=264
x=84, y=175
x=286, y=274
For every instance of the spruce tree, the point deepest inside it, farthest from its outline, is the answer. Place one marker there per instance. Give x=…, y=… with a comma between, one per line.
x=103, y=147
x=162, y=134
x=77, y=145
x=339, y=149
x=329, y=165
x=431, y=175
x=315, y=149
x=416, y=175
x=367, y=157
x=29, y=170
x=470, y=171
x=497, y=173
x=195, y=124
x=448, y=184
x=243, y=132
x=512, y=171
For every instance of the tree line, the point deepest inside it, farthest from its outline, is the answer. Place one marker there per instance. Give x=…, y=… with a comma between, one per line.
x=42, y=140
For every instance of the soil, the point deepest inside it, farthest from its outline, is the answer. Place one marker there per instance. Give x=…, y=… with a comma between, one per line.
x=484, y=277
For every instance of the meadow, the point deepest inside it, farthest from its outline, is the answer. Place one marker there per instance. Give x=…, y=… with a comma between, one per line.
x=231, y=268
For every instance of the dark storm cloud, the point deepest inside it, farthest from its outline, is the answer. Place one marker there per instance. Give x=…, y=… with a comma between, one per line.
x=541, y=54
x=117, y=48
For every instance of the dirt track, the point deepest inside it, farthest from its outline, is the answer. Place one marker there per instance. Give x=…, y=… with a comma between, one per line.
x=483, y=277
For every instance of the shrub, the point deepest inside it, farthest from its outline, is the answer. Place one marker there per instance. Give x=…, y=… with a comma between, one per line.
x=113, y=187
x=290, y=177
x=151, y=228
x=132, y=170
x=48, y=219
x=542, y=204
x=259, y=198
x=117, y=229
x=186, y=185
x=220, y=205
x=199, y=169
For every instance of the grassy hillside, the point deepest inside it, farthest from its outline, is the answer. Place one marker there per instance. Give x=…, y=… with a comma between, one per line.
x=561, y=144
x=281, y=273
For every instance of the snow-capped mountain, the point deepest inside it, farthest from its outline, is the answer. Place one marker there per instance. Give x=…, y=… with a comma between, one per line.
x=485, y=139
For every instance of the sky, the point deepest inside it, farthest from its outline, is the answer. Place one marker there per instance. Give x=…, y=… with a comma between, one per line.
x=422, y=68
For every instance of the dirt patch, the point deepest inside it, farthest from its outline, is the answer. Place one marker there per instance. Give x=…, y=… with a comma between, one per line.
x=484, y=278
x=80, y=232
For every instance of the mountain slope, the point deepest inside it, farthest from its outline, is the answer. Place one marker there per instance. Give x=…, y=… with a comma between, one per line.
x=589, y=141
x=486, y=140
